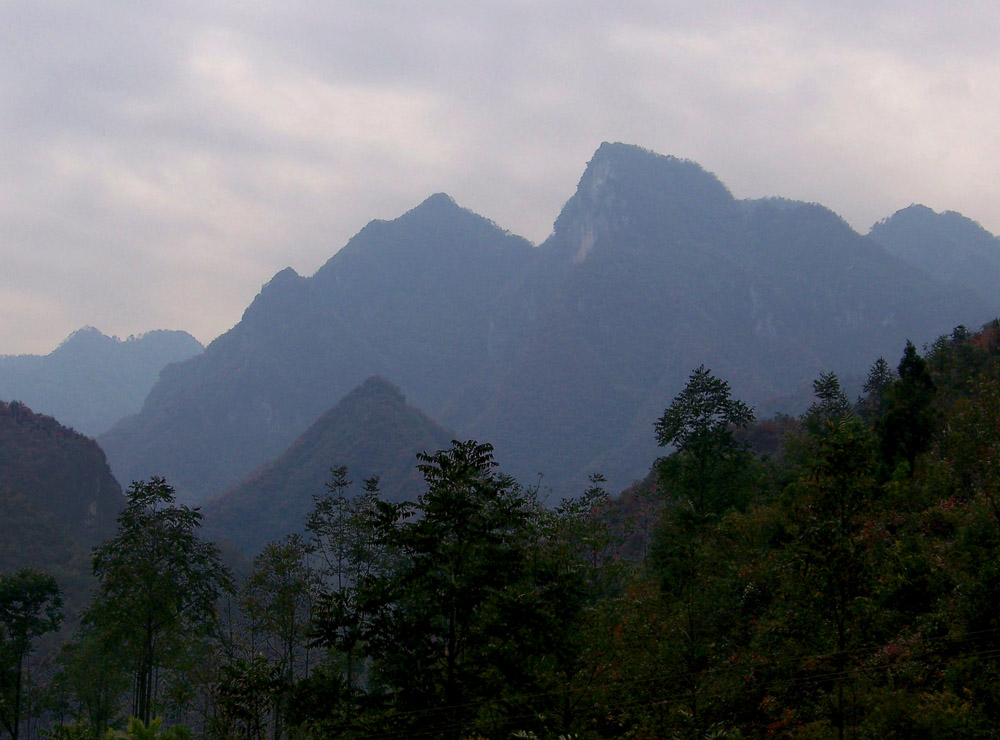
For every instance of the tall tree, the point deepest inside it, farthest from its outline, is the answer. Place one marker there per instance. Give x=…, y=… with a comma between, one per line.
x=277, y=599
x=700, y=424
x=159, y=586
x=30, y=606
x=908, y=424
x=831, y=558
x=880, y=379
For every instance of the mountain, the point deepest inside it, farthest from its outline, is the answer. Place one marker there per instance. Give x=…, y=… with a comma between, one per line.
x=562, y=355
x=372, y=430
x=948, y=245
x=654, y=268
x=90, y=381
x=57, y=499
x=408, y=298
x=60, y=472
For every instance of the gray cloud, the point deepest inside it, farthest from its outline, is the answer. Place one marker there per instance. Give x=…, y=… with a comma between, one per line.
x=162, y=162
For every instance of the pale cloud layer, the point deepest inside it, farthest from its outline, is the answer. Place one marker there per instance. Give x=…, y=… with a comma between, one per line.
x=161, y=161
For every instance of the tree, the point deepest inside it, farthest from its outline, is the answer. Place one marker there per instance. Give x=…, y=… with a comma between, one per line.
x=831, y=556
x=96, y=680
x=880, y=379
x=699, y=424
x=439, y=604
x=909, y=422
x=277, y=599
x=831, y=403
x=465, y=547
x=30, y=606
x=158, y=586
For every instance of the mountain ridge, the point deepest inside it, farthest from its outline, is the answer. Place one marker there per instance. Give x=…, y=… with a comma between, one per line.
x=560, y=354
x=91, y=380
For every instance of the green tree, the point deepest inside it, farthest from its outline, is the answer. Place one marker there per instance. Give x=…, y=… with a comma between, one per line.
x=908, y=424
x=30, y=606
x=700, y=424
x=465, y=547
x=876, y=388
x=95, y=679
x=831, y=558
x=277, y=600
x=158, y=587
x=350, y=546
x=243, y=697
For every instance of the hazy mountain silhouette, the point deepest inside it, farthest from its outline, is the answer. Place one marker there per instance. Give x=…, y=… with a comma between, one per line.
x=90, y=381
x=408, y=299
x=562, y=355
x=947, y=245
x=654, y=268
x=372, y=430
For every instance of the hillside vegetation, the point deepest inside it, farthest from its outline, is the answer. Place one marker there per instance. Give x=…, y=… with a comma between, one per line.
x=830, y=575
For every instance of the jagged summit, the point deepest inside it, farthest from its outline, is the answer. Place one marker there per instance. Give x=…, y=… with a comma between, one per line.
x=559, y=355
x=627, y=192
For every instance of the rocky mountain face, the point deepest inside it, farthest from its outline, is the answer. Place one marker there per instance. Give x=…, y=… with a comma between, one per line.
x=372, y=431
x=91, y=380
x=948, y=245
x=562, y=355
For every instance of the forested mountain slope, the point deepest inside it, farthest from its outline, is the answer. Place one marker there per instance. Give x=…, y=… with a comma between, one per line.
x=57, y=498
x=372, y=431
x=653, y=268
x=562, y=355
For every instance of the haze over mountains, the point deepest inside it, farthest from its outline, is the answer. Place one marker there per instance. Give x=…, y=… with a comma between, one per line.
x=372, y=431
x=91, y=380
x=947, y=245
x=561, y=355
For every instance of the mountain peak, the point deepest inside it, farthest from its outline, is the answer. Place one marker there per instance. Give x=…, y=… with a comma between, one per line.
x=376, y=386
x=438, y=207
x=371, y=431
x=627, y=192
x=439, y=200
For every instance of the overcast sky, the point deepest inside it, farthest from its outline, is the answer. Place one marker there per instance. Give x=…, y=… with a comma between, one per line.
x=160, y=161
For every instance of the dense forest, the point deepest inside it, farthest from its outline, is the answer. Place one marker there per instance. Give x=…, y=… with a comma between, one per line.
x=834, y=575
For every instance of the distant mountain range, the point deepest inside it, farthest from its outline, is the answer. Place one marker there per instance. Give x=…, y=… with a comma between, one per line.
x=91, y=380
x=561, y=355
x=947, y=245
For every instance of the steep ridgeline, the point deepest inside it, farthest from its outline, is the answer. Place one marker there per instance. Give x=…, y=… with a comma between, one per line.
x=653, y=268
x=562, y=356
x=947, y=245
x=372, y=430
x=407, y=299
x=57, y=498
x=90, y=381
